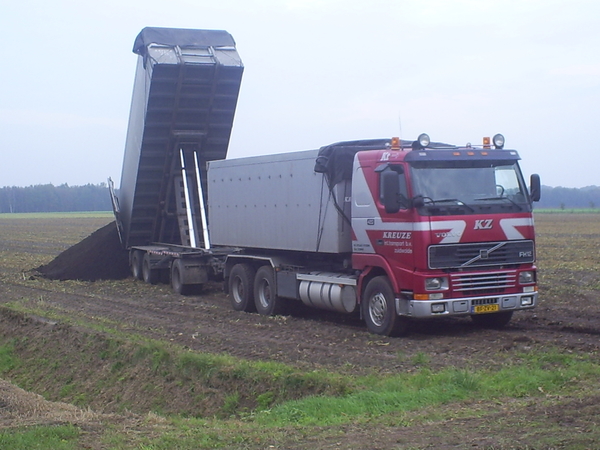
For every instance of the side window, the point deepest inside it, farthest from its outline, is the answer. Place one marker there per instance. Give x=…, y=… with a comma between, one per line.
x=403, y=190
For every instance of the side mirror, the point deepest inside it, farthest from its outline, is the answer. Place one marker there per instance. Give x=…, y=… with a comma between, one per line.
x=390, y=191
x=535, y=188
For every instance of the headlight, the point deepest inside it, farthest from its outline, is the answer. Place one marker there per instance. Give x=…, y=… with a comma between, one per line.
x=436, y=284
x=527, y=277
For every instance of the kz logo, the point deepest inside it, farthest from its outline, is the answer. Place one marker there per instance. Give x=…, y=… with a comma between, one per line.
x=483, y=224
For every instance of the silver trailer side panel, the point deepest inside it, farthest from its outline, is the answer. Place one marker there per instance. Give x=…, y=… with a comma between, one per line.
x=277, y=202
x=185, y=94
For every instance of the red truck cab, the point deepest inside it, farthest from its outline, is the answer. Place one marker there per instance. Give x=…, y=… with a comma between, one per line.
x=447, y=230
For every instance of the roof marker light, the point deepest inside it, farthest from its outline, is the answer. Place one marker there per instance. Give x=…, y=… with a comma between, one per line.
x=498, y=141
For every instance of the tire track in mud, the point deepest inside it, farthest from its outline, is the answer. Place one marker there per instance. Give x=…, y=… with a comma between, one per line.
x=200, y=323
x=308, y=338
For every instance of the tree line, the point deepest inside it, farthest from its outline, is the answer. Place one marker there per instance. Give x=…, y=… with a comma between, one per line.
x=50, y=198
x=95, y=197
x=568, y=198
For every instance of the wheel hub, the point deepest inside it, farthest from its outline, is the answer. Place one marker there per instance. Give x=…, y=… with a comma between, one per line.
x=265, y=294
x=377, y=309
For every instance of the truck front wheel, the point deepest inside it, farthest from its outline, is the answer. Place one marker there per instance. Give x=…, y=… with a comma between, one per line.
x=379, y=310
x=241, y=288
x=265, y=293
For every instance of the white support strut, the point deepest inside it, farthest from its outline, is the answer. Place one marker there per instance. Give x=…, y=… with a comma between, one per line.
x=202, y=206
x=188, y=204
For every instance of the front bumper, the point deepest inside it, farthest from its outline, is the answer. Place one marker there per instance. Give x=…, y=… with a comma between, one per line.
x=465, y=306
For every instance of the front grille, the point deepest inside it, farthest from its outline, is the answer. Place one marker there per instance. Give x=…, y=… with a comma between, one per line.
x=481, y=254
x=483, y=283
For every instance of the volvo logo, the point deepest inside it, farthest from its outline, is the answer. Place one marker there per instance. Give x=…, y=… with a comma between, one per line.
x=484, y=253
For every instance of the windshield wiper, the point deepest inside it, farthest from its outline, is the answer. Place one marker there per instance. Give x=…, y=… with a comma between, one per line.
x=447, y=200
x=500, y=198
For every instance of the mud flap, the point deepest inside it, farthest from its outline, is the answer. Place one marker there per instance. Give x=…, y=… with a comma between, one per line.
x=192, y=272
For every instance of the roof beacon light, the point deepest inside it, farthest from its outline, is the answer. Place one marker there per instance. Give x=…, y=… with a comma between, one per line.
x=395, y=144
x=498, y=140
x=486, y=142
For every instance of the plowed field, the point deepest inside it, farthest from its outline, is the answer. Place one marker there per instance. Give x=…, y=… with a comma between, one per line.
x=567, y=318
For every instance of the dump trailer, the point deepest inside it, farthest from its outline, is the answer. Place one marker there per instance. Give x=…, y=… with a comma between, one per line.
x=389, y=229
x=184, y=99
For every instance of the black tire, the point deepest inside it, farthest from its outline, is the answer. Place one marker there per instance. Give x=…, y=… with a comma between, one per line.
x=137, y=258
x=379, y=309
x=148, y=274
x=177, y=279
x=493, y=320
x=265, y=293
x=241, y=288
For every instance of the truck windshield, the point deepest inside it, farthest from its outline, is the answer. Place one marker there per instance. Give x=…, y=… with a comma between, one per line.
x=469, y=186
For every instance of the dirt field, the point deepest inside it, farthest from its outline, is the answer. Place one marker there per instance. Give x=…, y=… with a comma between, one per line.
x=568, y=318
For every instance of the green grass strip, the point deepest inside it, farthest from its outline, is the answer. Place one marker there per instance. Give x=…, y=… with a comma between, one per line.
x=538, y=374
x=567, y=211
x=64, y=437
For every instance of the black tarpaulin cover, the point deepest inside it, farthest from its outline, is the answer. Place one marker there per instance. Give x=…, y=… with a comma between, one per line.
x=336, y=160
x=181, y=37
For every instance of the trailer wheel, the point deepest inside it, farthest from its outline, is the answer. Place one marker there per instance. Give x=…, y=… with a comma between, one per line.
x=137, y=258
x=493, y=320
x=241, y=288
x=265, y=293
x=177, y=278
x=379, y=310
x=148, y=274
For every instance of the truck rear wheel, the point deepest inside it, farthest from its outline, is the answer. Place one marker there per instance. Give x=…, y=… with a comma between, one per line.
x=148, y=274
x=137, y=258
x=241, y=288
x=265, y=293
x=379, y=310
x=493, y=320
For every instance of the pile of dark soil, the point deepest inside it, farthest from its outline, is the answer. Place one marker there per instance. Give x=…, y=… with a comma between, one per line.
x=99, y=256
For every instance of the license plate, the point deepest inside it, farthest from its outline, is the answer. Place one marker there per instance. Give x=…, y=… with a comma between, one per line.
x=483, y=309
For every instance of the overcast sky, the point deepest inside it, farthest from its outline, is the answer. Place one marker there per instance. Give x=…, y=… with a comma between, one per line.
x=316, y=72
